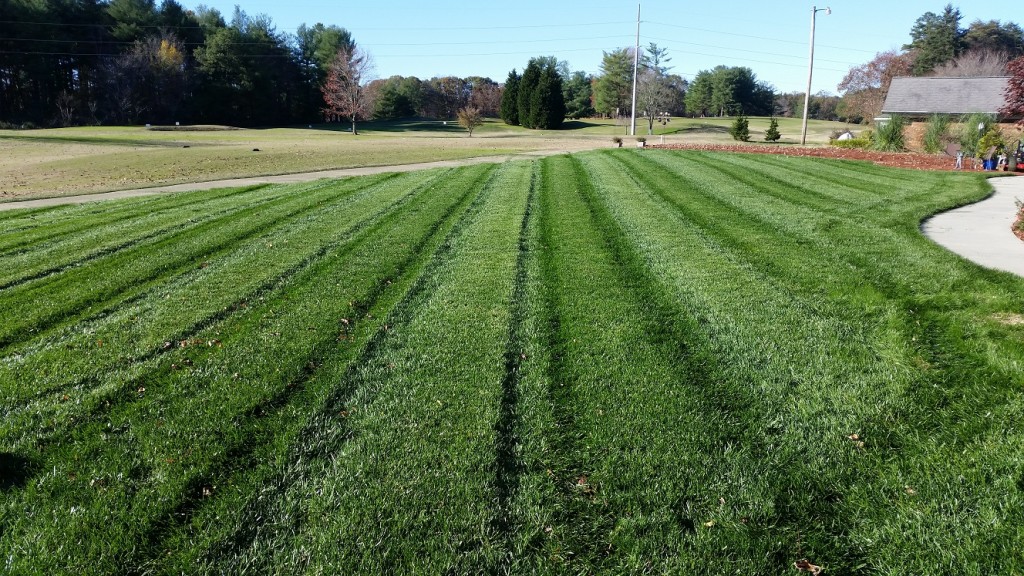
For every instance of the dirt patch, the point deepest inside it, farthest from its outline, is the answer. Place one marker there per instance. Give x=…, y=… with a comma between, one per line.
x=912, y=160
x=1009, y=318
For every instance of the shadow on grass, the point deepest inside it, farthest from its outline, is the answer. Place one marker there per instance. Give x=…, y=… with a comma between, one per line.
x=405, y=125
x=15, y=470
x=702, y=129
x=102, y=140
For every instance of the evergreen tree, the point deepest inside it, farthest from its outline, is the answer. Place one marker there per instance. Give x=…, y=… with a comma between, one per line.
x=527, y=85
x=698, y=97
x=613, y=89
x=547, y=104
x=740, y=129
x=772, y=133
x=510, y=100
x=936, y=39
x=577, y=93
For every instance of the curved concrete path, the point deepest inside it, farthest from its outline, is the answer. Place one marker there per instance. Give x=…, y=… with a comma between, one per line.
x=281, y=179
x=981, y=232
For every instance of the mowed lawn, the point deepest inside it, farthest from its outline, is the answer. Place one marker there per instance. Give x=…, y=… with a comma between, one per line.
x=620, y=361
x=84, y=160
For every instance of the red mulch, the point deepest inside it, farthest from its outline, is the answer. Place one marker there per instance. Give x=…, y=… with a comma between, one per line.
x=1018, y=225
x=894, y=159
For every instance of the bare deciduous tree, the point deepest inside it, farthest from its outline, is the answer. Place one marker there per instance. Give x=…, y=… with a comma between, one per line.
x=654, y=96
x=974, y=64
x=344, y=92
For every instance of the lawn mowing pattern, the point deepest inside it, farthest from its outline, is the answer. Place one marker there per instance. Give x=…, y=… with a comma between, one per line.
x=622, y=361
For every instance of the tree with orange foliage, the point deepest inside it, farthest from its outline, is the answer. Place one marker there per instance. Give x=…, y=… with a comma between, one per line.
x=864, y=87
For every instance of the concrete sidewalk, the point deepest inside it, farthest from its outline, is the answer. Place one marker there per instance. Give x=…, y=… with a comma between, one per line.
x=982, y=232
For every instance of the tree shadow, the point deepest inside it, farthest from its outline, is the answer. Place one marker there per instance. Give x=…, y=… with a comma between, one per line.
x=15, y=470
x=704, y=129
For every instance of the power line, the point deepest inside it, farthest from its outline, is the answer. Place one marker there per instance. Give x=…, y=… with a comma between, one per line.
x=780, y=40
x=742, y=50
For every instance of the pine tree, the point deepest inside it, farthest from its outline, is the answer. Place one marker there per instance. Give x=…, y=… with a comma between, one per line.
x=772, y=133
x=547, y=104
x=510, y=100
x=740, y=129
x=527, y=85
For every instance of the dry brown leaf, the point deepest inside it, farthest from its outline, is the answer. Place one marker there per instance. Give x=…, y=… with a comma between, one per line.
x=805, y=565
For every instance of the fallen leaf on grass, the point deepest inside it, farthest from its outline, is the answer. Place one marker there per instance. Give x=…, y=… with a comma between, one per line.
x=909, y=490
x=585, y=487
x=709, y=523
x=805, y=565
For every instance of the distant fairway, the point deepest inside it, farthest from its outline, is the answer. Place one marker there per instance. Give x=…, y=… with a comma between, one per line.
x=614, y=362
x=67, y=161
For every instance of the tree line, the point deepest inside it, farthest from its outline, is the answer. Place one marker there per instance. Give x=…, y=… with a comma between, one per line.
x=133, y=62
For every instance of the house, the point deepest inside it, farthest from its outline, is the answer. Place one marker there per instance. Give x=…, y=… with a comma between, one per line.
x=919, y=98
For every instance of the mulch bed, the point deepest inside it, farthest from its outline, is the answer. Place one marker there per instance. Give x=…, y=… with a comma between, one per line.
x=1018, y=225
x=894, y=159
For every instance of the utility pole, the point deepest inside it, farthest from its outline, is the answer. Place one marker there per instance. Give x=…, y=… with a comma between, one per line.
x=636, y=65
x=810, y=71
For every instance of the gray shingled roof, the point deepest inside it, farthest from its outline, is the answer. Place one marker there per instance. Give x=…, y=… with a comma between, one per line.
x=916, y=96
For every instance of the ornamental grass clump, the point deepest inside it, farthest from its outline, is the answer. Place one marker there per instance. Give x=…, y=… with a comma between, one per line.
x=936, y=134
x=890, y=136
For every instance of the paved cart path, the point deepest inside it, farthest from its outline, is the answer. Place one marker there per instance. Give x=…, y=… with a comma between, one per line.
x=981, y=232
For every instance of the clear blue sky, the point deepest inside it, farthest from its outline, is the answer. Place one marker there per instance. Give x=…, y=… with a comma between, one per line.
x=482, y=38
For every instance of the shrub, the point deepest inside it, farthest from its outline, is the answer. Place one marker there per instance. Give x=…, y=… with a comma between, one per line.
x=852, y=143
x=740, y=129
x=772, y=133
x=972, y=128
x=936, y=134
x=993, y=138
x=890, y=135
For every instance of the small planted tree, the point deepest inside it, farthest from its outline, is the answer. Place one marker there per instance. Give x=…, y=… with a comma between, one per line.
x=740, y=129
x=772, y=133
x=470, y=118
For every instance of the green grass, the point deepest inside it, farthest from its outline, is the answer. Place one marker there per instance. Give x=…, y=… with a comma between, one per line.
x=614, y=362
x=66, y=161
